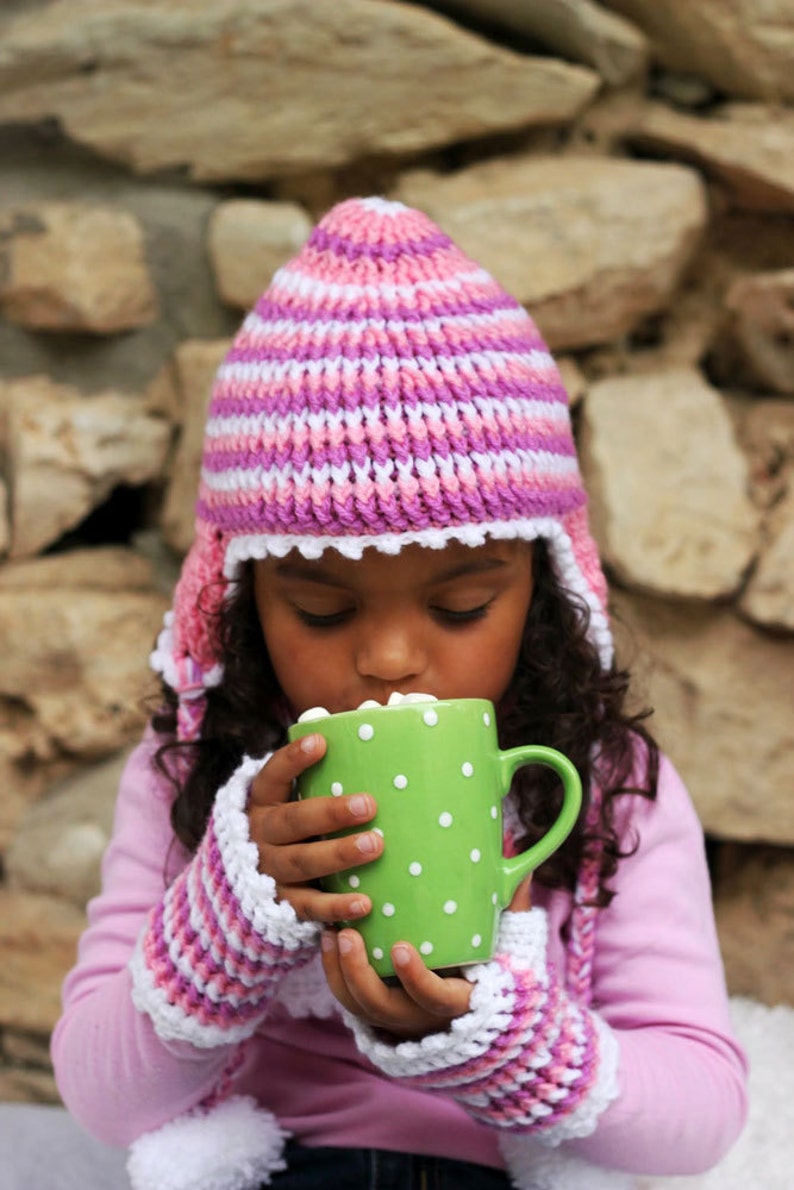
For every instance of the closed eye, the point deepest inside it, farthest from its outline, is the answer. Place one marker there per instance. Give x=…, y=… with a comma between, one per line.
x=329, y=620
x=451, y=616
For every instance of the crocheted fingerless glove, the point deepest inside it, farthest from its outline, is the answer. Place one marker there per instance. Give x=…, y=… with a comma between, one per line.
x=216, y=947
x=525, y=1057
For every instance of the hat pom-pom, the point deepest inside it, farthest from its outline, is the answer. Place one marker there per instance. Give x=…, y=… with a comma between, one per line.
x=235, y=1145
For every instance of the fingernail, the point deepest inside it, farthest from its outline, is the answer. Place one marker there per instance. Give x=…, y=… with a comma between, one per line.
x=327, y=941
x=401, y=956
x=309, y=743
x=367, y=843
x=345, y=945
x=359, y=805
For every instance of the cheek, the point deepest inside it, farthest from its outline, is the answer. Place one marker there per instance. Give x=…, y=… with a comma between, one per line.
x=501, y=655
x=307, y=670
x=282, y=648
x=484, y=670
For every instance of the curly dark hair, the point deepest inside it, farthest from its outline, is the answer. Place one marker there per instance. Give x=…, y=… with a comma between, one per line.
x=559, y=695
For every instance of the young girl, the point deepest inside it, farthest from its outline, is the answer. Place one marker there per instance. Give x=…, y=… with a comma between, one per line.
x=390, y=502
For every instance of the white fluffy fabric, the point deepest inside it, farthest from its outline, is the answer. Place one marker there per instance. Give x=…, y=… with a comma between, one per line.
x=234, y=1146
x=533, y=1167
x=763, y=1156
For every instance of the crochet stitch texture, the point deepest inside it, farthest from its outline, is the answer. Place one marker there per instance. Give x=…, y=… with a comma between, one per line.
x=218, y=944
x=384, y=390
x=526, y=1057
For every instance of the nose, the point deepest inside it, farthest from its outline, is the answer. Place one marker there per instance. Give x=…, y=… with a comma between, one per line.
x=390, y=650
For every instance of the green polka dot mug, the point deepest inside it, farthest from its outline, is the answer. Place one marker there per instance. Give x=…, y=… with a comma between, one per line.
x=438, y=776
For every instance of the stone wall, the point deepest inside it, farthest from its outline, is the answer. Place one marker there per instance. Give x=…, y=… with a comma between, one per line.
x=626, y=169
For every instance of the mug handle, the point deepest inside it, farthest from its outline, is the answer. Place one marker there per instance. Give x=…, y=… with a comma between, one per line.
x=517, y=867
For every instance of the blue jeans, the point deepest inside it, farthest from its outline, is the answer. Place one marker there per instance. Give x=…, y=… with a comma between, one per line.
x=379, y=1169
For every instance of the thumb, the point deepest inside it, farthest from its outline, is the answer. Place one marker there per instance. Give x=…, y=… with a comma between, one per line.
x=273, y=782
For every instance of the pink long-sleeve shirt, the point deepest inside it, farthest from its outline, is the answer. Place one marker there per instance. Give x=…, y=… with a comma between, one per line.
x=657, y=983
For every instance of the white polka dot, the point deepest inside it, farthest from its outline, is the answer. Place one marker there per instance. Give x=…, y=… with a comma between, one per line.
x=494, y=898
x=415, y=869
x=445, y=819
x=476, y=940
x=354, y=881
x=475, y=855
x=400, y=781
x=467, y=769
x=366, y=731
x=494, y=812
x=388, y=909
x=337, y=789
x=377, y=953
x=430, y=718
x=426, y=948
x=486, y=718
x=450, y=907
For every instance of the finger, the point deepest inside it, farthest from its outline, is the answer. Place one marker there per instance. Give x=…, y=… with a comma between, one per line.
x=437, y=995
x=299, y=863
x=358, y=986
x=329, y=951
x=522, y=900
x=273, y=782
x=295, y=821
x=326, y=908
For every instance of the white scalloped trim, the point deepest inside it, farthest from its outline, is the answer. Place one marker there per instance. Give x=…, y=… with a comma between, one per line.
x=235, y=1145
x=275, y=921
x=258, y=546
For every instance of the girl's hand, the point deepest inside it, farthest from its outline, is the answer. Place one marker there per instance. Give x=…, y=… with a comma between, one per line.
x=286, y=833
x=423, y=1003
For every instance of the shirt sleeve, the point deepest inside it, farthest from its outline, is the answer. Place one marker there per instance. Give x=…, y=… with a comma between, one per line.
x=180, y=960
x=658, y=982
x=649, y=1079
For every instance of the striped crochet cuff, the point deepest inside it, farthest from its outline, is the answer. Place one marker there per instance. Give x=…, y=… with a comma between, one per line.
x=214, y=950
x=525, y=1057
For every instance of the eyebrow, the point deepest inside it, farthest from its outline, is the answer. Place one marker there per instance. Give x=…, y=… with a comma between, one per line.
x=307, y=574
x=313, y=574
x=480, y=566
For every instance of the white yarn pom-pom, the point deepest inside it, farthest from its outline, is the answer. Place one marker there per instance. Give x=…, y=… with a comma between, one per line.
x=233, y=1146
x=533, y=1168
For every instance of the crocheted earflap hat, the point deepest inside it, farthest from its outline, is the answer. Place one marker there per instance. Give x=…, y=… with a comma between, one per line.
x=384, y=390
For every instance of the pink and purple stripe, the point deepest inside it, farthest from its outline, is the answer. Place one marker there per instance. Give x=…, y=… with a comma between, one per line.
x=385, y=383
x=205, y=959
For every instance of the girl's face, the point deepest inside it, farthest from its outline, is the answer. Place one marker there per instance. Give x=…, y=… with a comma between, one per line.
x=445, y=622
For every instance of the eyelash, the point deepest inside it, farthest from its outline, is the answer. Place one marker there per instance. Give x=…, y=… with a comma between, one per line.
x=467, y=617
x=313, y=621
x=446, y=615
